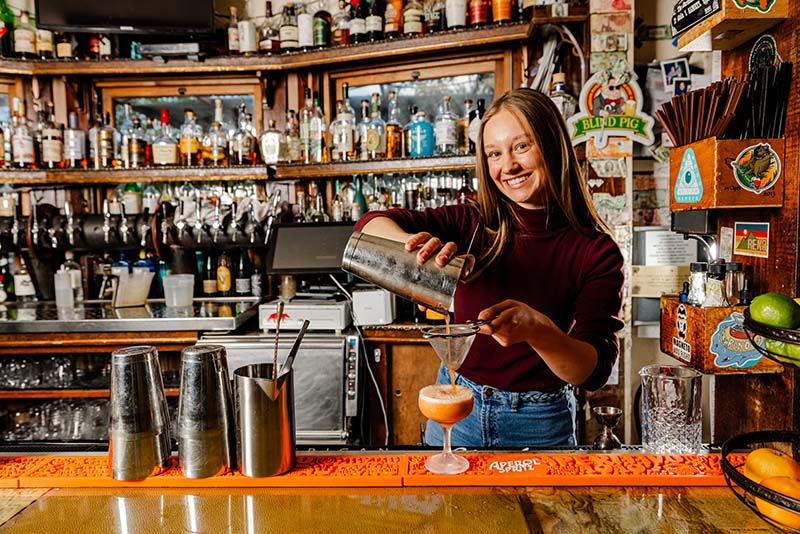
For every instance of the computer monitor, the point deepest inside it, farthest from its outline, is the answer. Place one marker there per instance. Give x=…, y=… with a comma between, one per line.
x=308, y=248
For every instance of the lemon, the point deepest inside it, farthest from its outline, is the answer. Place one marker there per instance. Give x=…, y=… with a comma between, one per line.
x=775, y=310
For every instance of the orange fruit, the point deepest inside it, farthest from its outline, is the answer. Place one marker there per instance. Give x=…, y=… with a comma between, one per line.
x=766, y=462
x=787, y=486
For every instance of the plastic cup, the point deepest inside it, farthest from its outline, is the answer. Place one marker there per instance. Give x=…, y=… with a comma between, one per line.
x=178, y=289
x=65, y=298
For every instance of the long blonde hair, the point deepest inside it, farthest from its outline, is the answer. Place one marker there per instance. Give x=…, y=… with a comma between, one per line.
x=564, y=187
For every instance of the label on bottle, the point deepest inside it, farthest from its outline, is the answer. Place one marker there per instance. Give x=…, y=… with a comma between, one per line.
x=412, y=21
x=257, y=284
x=73, y=145
x=445, y=133
x=501, y=10
x=52, y=150
x=305, y=30
x=233, y=39
x=210, y=286
x=456, y=13
x=421, y=139
x=341, y=36
x=269, y=44
x=24, y=41
x=358, y=27
x=64, y=50
x=248, y=37
x=474, y=126
x=44, y=41
x=105, y=146
x=22, y=147
x=270, y=147
x=374, y=23
x=7, y=205
x=2, y=148
x=137, y=152
x=392, y=21
x=165, y=154
x=289, y=36
x=223, y=279
x=23, y=285
x=478, y=12
x=322, y=32
x=132, y=202
x=104, y=46
x=394, y=141
x=190, y=146
x=3, y=28
x=373, y=140
x=242, y=286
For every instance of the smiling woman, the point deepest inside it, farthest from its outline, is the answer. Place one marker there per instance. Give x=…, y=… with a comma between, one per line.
x=547, y=278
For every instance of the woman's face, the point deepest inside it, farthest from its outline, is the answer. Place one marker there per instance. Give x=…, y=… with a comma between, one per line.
x=515, y=162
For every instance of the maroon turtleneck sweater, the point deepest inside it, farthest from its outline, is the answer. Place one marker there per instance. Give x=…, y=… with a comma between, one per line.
x=574, y=279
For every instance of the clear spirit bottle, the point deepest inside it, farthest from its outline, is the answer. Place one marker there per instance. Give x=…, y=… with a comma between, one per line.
x=462, y=127
x=305, y=28
x=376, y=130
x=363, y=131
x=233, y=31
x=306, y=114
x=272, y=144
x=318, y=132
x=125, y=134
x=294, y=150
x=74, y=143
x=52, y=141
x=215, y=146
x=23, y=150
x=564, y=101
x=244, y=143
x=446, y=129
x=107, y=144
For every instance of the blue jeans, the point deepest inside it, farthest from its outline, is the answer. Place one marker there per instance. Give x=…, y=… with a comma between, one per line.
x=506, y=419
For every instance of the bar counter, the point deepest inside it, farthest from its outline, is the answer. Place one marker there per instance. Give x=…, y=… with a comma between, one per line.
x=588, y=493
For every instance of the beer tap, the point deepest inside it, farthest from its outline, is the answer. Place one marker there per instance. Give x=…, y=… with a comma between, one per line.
x=52, y=233
x=164, y=224
x=198, y=217
x=70, y=224
x=251, y=211
x=123, y=223
x=144, y=227
x=15, y=228
x=34, y=222
x=235, y=221
x=217, y=224
x=106, y=221
x=276, y=198
x=180, y=219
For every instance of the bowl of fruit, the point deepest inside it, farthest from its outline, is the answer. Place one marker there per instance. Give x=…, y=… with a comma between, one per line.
x=776, y=319
x=768, y=479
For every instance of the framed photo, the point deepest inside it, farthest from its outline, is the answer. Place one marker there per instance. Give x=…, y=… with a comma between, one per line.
x=681, y=86
x=672, y=69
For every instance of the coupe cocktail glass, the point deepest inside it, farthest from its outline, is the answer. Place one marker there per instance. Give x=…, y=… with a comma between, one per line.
x=448, y=404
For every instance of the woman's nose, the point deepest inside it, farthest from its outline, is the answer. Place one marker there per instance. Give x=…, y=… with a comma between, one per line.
x=510, y=162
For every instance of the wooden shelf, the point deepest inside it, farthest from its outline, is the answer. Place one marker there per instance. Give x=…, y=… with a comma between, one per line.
x=731, y=26
x=231, y=174
x=65, y=393
x=434, y=43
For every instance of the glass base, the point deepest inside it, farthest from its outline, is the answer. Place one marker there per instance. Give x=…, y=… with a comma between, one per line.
x=446, y=464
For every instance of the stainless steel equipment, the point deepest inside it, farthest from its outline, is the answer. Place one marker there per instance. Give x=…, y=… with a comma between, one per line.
x=139, y=443
x=206, y=425
x=326, y=379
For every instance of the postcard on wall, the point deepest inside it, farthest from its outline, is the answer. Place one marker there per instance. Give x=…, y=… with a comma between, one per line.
x=609, y=6
x=617, y=147
x=607, y=61
x=612, y=22
x=609, y=42
x=751, y=239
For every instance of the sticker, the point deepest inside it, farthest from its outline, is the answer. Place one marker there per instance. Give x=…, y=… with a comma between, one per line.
x=762, y=6
x=730, y=345
x=600, y=61
x=757, y=168
x=725, y=242
x=680, y=348
x=688, y=13
x=606, y=6
x=609, y=42
x=764, y=53
x=609, y=167
x=751, y=239
x=688, y=185
x=611, y=105
x=612, y=208
x=617, y=147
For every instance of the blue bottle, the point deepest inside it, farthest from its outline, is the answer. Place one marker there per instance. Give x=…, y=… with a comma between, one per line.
x=422, y=141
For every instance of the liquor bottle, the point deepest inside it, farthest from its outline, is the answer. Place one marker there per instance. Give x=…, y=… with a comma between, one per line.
x=269, y=37
x=224, y=275
x=501, y=10
x=105, y=50
x=359, y=205
x=74, y=143
x=422, y=137
x=456, y=14
x=289, y=31
x=374, y=21
x=317, y=212
x=132, y=198
x=191, y=134
x=75, y=275
x=305, y=126
x=107, y=144
x=243, y=147
x=241, y=280
x=137, y=145
x=209, y=277
x=37, y=130
x=23, y=284
x=294, y=150
x=52, y=141
x=376, y=130
x=63, y=46
x=272, y=144
x=233, y=31
x=434, y=16
x=465, y=194
x=22, y=143
x=462, y=128
x=478, y=12
x=151, y=196
x=248, y=37
x=337, y=205
x=446, y=129
x=412, y=114
x=394, y=130
x=125, y=134
x=165, y=147
x=305, y=28
x=341, y=26
x=362, y=131
x=44, y=43
x=2, y=147
x=475, y=117
x=322, y=28
x=393, y=19
x=6, y=281
x=345, y=140
x=333, y=131
x=24, y=38
x=413, y=18
x=318, y=133
x=564, y=101
x=6, y=30
x=300, y=208
x=358, y=22
x=152, y=129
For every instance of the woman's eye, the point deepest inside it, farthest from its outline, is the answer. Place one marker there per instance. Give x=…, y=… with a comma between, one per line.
x=493, y=154
x=521, y=146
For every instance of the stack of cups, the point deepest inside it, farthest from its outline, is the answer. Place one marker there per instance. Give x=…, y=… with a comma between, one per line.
x=206, y=428
x=139, y=430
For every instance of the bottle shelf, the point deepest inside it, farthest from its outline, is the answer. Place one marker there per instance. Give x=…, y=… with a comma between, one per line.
x=236, y=173
x=66, y=393
x=450, y=40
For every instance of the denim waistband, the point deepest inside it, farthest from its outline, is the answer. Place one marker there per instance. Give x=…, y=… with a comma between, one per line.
x=537, y=397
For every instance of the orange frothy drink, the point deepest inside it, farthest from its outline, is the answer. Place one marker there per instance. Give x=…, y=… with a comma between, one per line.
x=445, y=405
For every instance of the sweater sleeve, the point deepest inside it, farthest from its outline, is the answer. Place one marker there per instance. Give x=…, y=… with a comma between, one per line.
x=597, y=310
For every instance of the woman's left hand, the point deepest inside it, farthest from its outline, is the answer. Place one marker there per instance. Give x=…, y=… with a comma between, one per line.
x=511, y=322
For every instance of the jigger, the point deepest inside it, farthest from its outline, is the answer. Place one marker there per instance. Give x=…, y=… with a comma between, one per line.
x=608, y=416
x=206, y=429
x=139, y=444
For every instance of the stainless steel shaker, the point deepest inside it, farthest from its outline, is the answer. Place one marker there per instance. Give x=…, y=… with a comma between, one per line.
x=205, y=427
x=387, y=264
x=265, y=426
x=139, y=443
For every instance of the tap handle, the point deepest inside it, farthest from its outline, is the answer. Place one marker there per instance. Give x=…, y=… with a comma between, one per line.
x=276, y=198
x=70, y=223
x=217, y=224
x=235, y=220
x=15, y=228
x=34, y=222
x=164, y=224
x=144, y=228
x=123, y=222
x=251, y=211
x=106, y=221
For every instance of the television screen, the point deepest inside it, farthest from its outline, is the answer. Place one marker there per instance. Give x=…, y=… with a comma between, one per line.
x=310, y=248
x=125, y=16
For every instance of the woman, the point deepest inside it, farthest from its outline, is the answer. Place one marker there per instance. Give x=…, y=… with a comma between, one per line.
x=546, y=273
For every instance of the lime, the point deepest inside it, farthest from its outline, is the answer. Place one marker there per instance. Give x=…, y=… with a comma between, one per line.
x=775, y=310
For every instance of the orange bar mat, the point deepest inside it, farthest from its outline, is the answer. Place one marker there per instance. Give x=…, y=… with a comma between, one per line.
x=13, y=467
x=528, y=469
x=319, y=471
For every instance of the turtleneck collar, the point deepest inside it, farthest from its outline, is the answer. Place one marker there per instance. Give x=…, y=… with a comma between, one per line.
x=538, y=219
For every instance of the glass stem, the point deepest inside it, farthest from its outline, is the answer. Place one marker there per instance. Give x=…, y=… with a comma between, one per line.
x=446, y=438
